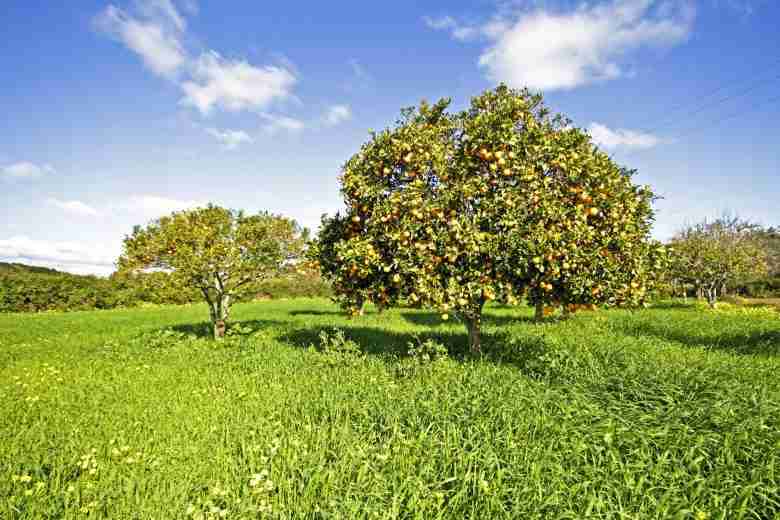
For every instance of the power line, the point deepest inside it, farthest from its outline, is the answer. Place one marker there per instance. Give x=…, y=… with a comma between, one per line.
x=733, y=115
x=700, y=108
x=721, y=88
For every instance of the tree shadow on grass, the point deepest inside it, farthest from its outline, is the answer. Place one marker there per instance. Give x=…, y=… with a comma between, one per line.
x=318, y=313
x=674, y=305
x=375, y=341
x=766, y=342
x=432, y=319
x=204, y=329
x=338, y=313
x=519, y=349
x=497, y=345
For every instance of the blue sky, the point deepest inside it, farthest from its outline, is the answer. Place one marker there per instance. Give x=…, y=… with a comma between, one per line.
x=116, y=113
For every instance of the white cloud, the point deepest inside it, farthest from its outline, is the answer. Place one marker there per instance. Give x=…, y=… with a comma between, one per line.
x=75, y=207
x=26, y=170
x=230, y=139
x=337, y=114
x=74, y=257
x=152, y=206
x=621, y=138
x=278, y=123
x=555, y=49
x=156, y=30
x=235, y=85
x=156, y=39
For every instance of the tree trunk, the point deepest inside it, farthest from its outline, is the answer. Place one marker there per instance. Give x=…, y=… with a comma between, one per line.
x=539, y=316
x=219, y=329
x=220, y=312
x=474, y=326
x=712, y=297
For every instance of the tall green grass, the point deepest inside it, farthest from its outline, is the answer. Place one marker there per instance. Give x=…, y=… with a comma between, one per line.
x=671, y=412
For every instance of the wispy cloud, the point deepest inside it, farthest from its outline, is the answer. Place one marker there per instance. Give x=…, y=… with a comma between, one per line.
x=156, y=31
x=230, y=139
x=153, y=206
x=548, y=49
x=458, y=30
x=359, y=71
x=25, y=170
x=74, y=207
x=337, y=114
x=360, y=78
x=164, y=9
x=745, y=8
x=235, y=85
x=276, y=123
x=144, y=207
x=622, y=138
x=155, y=35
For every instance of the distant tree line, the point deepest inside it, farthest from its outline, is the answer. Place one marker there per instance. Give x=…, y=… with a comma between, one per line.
x=33, y=289
x=725, y=256
x=768, y=285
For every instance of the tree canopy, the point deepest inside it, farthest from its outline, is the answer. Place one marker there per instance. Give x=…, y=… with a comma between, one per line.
x=216, y=250
x=499, y=201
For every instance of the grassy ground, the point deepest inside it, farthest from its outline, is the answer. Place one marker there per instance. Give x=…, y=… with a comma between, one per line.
x=671, y=412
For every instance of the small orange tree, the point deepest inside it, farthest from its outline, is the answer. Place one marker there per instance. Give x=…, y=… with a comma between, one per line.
x=217, y=251
x=451, y=211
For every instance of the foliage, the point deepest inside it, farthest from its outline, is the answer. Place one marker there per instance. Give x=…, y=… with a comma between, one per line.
x=770, y=239
x=765, y=286
x=335, y=343
x=450, y=211
x=217, y=251
x=296, y=282
x=155, y=287
x=663, y=413
x=422, y=359
x=714, y=255
x=23, y=290
x=427, y=351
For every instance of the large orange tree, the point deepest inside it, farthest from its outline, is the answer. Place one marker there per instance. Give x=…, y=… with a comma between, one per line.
x=499, y=201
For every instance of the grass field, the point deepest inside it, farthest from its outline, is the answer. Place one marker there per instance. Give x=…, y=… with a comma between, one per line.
x=671, y=412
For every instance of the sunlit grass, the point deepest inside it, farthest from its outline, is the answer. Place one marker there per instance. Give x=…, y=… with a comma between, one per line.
x=671, y=412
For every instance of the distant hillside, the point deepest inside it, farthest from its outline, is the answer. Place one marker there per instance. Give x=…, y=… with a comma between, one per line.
x=25, y=288
x=6, y=267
